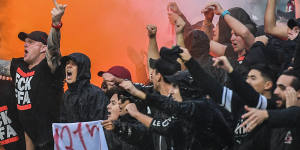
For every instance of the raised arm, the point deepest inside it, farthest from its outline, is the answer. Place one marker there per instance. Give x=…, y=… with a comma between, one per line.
x=53, y=54
x=270, y=22
x=5, y=68
x=179, y=28
x=152, y=47
x=238, y=28
x=297, y=8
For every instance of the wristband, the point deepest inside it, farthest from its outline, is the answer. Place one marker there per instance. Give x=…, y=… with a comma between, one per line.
x=225, y=12
x=57, y=26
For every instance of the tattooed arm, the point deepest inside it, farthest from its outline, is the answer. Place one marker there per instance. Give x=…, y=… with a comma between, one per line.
x=5, y=68
x=53, y=54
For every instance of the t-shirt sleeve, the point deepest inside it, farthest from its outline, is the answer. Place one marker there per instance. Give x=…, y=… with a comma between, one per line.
x=15, y=62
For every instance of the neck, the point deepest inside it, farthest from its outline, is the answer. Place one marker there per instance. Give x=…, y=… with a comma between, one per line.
x=242, y=52
x=36, y=62
x=165, y=89
x=267, y=94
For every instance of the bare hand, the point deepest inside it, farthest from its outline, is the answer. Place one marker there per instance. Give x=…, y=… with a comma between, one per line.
x=57, y=12
x=172, y=6
x=254, y=118
x=108, y=125
x=291, y=97
x=179, y=25
x=185, y=55
x=222, y=62
x=131, y=109
x=208, y=13
x=173, y=17
x=128, y=86
x=218, y=10
x=152, y=29
x=5, y=78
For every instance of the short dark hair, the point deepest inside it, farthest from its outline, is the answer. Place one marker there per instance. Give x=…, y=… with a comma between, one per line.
x=122, y=94
x=266, y=71
x=295, y=82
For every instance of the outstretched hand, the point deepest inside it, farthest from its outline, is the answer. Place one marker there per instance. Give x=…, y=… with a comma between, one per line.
x=172, y=6
x=254, y=118
x=222, y=62
x=57, y=12
x=218, y=10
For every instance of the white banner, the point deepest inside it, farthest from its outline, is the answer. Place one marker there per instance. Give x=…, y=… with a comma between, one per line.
x=79, y=136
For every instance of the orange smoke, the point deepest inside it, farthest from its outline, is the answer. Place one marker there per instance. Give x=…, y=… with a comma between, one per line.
x=110, y=32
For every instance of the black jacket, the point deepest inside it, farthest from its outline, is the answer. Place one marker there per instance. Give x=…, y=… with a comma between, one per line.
x=287, y=128
x=134, y=133
x=204, y=125
x=232, y=101
x=83, y=101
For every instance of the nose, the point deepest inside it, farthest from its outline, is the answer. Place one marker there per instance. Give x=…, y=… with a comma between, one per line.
x=108, y=106
x=276, y=91
x=248, y=81
x=25, y=44
x=232, y=37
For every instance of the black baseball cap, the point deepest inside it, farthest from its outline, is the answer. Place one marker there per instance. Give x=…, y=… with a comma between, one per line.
x=164, y=67
x=293, y=22
x=35, y=35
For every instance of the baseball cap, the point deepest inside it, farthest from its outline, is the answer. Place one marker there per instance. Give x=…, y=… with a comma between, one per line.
x=118, y=71
x=164, y=67
x=35, y=35
x=293, y=22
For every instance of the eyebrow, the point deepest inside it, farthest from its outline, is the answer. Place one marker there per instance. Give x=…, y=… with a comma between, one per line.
x=282, y=86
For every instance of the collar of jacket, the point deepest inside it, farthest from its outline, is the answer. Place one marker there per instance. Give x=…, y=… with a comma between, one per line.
x=78, y=85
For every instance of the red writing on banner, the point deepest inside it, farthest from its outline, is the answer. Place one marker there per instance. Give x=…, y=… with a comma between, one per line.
x=66, y=132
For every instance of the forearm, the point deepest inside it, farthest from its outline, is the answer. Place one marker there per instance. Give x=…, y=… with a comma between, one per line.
x=170, y=106
x=144, y=119
x=207, y=27
x=289, y=117
x=53, y=53
x=152, y=50
x=180, y=40
x=5, y=68
x=240, y=29
x=246, y=92
x=205, y=81
x=270, y=22
x=297, y=56
x=297, y=8
x=217, y=48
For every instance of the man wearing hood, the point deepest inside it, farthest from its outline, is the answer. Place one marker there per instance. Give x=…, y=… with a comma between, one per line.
x=83, y=101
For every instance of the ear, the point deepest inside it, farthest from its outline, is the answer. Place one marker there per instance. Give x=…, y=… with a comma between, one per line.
x=159, y=77
x=298, y=95
x=268, y=85
x=44, y=48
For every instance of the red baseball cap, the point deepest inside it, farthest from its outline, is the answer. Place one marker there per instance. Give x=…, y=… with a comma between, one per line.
x=118, y=71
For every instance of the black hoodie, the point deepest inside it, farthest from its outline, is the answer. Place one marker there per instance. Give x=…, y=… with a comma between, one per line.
x=83, y=101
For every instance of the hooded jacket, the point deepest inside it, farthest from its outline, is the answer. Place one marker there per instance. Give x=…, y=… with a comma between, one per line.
x=83, y=101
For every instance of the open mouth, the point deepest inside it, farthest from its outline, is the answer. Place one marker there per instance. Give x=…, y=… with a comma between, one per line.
x=69, y=74
x=108, y=114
